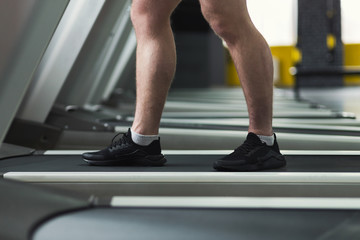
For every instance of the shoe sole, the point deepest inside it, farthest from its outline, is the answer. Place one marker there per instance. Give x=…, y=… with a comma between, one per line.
x=151, y=161
x=271, y=163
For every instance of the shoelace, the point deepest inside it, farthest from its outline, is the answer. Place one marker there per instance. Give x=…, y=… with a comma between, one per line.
x=121, y=140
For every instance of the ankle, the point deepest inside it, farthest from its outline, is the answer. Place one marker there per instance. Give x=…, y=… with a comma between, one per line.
x=268, y=140
x=143, y=140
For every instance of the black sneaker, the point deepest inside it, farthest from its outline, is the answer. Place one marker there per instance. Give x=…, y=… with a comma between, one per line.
x=127, y=153
x=252, y=155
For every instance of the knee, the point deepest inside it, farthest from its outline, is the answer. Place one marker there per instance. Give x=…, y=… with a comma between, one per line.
x=224, y=23
x=145, y=15
x=141, y=15
x=221, y=26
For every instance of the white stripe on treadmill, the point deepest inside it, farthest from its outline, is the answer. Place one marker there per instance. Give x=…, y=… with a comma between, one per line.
x=285, y=152
x=167, y=152
x=216, y=152
x=65, y=152
x=186, y=177
x=237, y=202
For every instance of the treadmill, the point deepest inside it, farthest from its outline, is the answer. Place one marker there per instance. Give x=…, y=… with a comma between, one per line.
x=55, y=215
x=108, y=201
x=68, y=202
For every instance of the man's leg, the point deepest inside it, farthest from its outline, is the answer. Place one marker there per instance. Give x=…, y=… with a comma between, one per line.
x=251, y=55
x=155, y=68
x=155, y=61
x=253, y=61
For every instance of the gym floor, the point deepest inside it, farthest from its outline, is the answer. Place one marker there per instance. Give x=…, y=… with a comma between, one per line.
x=346, y=99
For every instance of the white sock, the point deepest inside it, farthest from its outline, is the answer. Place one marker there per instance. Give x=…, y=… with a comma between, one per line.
x=269, y=140
x=143, y=140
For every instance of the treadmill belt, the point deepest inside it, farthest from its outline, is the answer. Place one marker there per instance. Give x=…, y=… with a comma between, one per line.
x=176, y=163
x=201, y=224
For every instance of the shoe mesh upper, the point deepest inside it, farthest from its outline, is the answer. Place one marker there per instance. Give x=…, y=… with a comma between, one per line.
x=252, y=142
x=125, y=140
